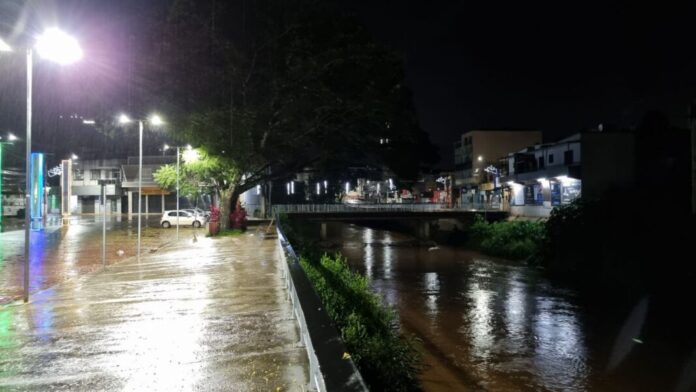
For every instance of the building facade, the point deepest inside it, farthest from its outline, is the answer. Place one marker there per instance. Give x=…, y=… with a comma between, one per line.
x=479, y=149
x=122, y=196
x=85, y=188
x=539, y=178
x=155, y=199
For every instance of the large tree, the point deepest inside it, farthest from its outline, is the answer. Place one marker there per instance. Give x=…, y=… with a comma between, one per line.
x=265, y=89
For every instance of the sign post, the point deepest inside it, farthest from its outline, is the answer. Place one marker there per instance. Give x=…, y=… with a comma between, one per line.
x=104, y=182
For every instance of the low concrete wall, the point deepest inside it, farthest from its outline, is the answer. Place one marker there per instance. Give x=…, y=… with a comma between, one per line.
x=531, y=211
x=328, y=370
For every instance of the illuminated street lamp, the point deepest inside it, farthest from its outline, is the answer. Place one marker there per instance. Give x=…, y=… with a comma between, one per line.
x=190, y=155
x=61, y=48
x=4, y=47
x=154, y=120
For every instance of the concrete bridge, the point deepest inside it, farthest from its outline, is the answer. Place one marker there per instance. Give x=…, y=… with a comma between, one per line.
x=419, y=217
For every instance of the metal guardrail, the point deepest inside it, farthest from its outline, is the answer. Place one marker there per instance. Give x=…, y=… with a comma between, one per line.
x=328, y=371
x=376, y=208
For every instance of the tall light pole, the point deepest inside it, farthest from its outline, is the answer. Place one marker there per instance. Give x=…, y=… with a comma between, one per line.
x=153, y=120
x=10, y=139
x=104, y=182
x=166, y=147
x=191, y=156
x=61, y=48
x=177, y=193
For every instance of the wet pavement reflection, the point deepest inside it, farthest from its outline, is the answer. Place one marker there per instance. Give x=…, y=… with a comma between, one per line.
x=60, y=253
x=198, y=314
x=489, y=324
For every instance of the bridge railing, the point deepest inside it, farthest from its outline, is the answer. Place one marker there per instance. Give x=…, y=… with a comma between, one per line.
x=376, y=208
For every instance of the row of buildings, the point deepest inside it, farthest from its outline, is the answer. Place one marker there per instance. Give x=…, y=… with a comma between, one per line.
x=82, y=178
x=516, y=171
x=495, y=169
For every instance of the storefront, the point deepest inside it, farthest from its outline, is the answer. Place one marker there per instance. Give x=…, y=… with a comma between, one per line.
x=537, y=198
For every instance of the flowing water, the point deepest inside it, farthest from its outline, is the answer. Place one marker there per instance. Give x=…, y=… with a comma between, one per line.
x=494, y=325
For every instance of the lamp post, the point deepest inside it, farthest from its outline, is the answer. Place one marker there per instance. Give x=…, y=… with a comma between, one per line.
x=178, y=160
x=10, y=139
x=61, y=48
x=153, y=120
x=104, y=182
x=191, y=156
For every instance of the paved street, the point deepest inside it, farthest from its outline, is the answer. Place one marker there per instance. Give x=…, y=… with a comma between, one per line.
x=60, y=253
x=209, y=314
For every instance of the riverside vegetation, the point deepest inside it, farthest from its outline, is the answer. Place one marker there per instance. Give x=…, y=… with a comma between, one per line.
x=387, y=360
x=510, y=239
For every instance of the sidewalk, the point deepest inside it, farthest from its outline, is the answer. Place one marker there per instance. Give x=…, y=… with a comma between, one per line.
x=210, y=315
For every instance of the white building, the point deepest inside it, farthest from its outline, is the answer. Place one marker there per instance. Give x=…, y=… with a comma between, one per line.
x=586, y=164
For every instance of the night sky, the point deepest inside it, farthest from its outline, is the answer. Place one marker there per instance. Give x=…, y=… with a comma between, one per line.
x=559, y=67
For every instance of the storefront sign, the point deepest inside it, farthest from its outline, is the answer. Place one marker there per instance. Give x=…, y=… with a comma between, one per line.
x=570, y=191
x=529, y=195
x=555, y=193
x=55, y=171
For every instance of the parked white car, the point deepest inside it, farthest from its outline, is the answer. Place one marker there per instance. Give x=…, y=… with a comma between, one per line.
x=205, y=215
x=185, y=218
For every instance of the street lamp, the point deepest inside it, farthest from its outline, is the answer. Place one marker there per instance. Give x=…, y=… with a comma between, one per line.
x=10, y=139
x=61, y=48
x=190, y=155
x=154, y=120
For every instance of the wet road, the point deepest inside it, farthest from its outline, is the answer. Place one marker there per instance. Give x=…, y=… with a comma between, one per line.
x=60, y=253
x=491, y=325
x=205, y=315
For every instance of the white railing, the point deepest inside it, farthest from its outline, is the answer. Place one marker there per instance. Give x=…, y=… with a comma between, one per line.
x=327, y=371
x=376, y=208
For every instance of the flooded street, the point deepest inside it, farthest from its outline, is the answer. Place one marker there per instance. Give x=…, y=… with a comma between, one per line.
x=60, y=253
x=494, y=325
x=206, y=316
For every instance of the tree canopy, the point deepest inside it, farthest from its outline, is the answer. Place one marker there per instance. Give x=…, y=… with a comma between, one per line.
x=266, y=89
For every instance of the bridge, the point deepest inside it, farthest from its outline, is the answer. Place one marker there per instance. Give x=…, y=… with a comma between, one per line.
x=420, y=216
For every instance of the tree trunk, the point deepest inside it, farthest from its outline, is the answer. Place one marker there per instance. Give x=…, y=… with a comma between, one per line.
x=225, y=203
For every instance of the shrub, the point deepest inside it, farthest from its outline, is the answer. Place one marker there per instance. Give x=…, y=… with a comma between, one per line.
x=511, y=239
x=387, y=361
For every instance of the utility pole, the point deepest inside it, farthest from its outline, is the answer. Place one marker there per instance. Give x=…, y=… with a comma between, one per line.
x=692, y=125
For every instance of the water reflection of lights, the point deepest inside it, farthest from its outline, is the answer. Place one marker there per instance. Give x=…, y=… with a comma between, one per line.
x=480, y=320
x=158, y=345
x=37, y=275
x=387, y=256
x=42, y=319
x=431, y=284
x=560, y=354
x=515, y=309
x=369, y=252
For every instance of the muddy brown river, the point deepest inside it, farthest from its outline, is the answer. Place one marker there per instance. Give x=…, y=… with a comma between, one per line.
x=494, y=325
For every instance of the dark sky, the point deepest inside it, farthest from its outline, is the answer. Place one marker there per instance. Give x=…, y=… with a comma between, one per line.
x=559, y=67
x=555, y=66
